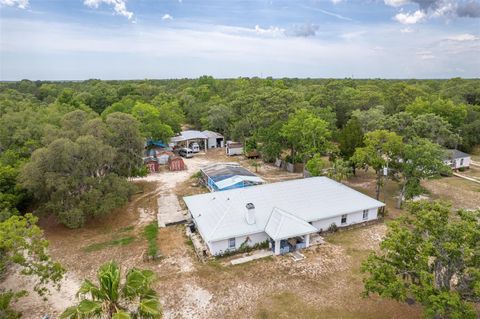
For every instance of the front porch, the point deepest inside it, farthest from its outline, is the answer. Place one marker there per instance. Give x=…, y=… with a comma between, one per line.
x=288, y=245
x=287, y=232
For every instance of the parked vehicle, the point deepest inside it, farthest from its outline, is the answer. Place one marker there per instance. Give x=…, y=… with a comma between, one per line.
x=194, y=147
x=185, y=152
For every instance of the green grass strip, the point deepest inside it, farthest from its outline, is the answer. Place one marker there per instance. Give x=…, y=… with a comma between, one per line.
x=114, y=242
x=150, y=232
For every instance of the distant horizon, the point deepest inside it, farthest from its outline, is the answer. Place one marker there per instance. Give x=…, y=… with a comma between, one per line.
x=175, y=39
x=245, y=77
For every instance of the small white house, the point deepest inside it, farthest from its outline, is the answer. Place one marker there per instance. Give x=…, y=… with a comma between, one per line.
x=284, y=213
x=457, y=159
x=234, y=148
x=215, y=140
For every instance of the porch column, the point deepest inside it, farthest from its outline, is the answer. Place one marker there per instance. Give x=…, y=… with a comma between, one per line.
x=277, y=247
x=307, y=240
x=205, y=144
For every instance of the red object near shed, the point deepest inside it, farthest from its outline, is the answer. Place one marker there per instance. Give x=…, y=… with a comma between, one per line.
x=152, y=164
x=175, y=163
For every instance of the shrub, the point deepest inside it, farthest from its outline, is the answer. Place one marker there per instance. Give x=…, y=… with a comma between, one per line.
x=383, y=212
x=140, y=171
x=250, y=145
x=244, y=248
x=316, y=165
x=295, y=159
x=333, y=228
x=197, y=175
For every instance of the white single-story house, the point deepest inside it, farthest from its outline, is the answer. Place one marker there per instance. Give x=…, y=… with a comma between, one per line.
x=215, y=140
x=234, y=148
x=457, y=159
x=284, y=213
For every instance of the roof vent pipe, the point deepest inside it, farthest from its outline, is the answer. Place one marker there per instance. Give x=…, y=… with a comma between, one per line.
x=250, y=214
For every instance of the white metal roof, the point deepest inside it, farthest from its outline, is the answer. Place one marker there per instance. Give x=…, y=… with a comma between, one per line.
x=283, y=225
x=236, y=179
x=221, y=215
x=211, y=134
x=189, y=135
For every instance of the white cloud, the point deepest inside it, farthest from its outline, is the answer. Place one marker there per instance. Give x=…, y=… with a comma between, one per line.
x=336, y=1
x=167, y=17
x=271, y=31
x=303, y=30
x=410, y=18
x=407, y=30
x=464, y=37
x=22, y=4
x=119, y=6
x=396, y=3
x=425, y=55
x=352, y=35
x=378, y=49
x=442, y=8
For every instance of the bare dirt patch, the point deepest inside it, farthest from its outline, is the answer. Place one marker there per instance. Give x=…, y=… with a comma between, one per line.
x=194, y=304
x=32, y=306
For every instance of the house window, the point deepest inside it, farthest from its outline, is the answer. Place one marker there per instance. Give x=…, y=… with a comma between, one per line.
x=231, y=243
x=344, y=219
x=461, y=162
x=365, y=214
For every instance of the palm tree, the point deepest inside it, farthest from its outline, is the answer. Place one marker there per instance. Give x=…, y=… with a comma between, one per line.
x=110, y=299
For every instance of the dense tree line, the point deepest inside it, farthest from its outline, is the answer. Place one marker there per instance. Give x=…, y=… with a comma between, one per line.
x=88, y=136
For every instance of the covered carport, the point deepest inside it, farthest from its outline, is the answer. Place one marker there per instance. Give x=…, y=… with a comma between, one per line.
x=186, y=137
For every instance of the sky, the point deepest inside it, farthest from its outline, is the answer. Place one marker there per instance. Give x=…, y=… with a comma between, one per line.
x=162, y=39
